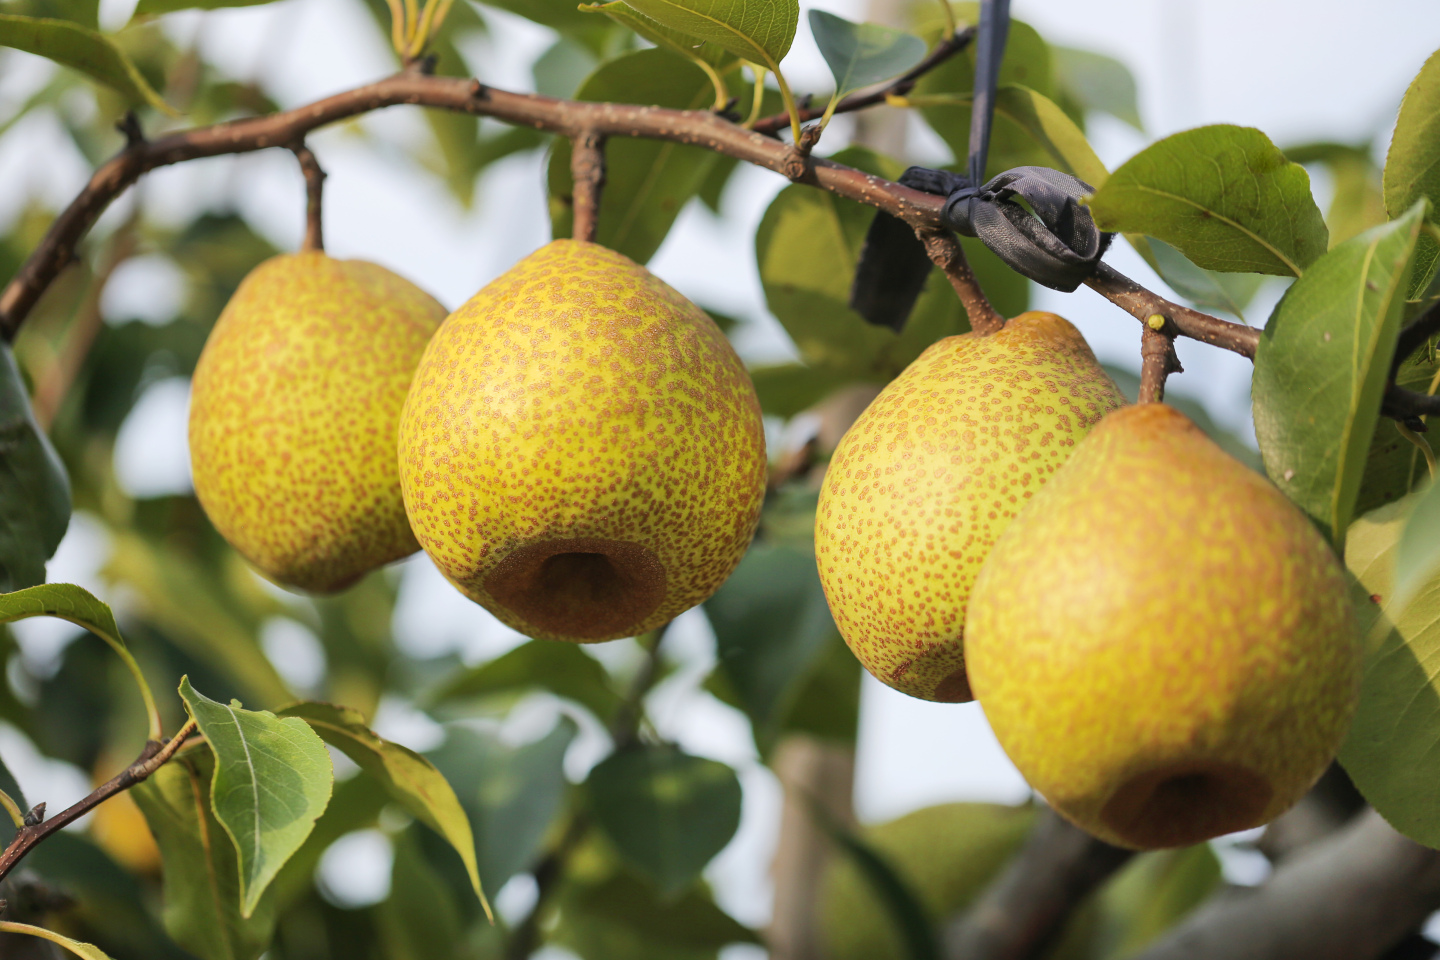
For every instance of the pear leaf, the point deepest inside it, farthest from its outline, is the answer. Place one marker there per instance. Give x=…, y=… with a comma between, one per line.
x=1321, y=366
x=1224, y=196
x=1390, y=751
x=411, y=780
x=1417, y=556
x=1098, y=82
x=201, y=869
x=272, y=781
x=771, y=627
x=859, y=54
x=80, y=48
x=1412, y=165
x=87, y=950
x=667, y=813
x=34, y=490
x=150, y=8
x=562, y=668
x=760, y=31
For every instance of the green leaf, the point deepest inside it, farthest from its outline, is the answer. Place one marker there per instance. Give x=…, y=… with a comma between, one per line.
x=1225, y=196
x=562, y=668
x=411, y=779
x=34, y=490
x=771, y=627
x=1056, y=133
x=1390, y=750
x=760, y=31
x=905, y=909
x=666, y=812
x=88, y=51
x=807, y=247
x=272, y=780
x=675, y=926
x=419, y=920
x=1394, y=465
x=647, y=182
x=150, y=8
x=66, y=601
x=1206, y=289
x=561, y=15
x=513, y=794
x=1097, y=82
x=859, y=54
x=788, y=388
x=1151, y=894
x=1356, y=204
x=1417, y=557
x=201, y=870
x=86, y=950
x=1321, y=366
x=1412, y=165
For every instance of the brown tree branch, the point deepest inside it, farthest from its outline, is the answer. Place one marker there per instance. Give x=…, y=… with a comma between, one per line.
x=898, y=87
x=314, y=192
x=1157, y=358
x=947, y=254
x=1349, y=896
x=1142, y=304
x=152, y=758
x=1022, y=912
x=587, y=170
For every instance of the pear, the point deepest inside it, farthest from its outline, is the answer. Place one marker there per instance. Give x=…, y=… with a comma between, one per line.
x=1163, y=644
x=293, y=410
x=582, y=452
x=928, y=478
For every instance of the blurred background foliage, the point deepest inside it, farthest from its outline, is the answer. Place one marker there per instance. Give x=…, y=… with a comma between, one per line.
x=644, y=822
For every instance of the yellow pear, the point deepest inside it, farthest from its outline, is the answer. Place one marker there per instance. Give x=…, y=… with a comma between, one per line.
x=928, y=478
x=1163, y=643
x=582, y=452
x=293, y=411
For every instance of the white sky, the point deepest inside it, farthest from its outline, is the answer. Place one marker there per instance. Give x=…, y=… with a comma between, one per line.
x=1298, y=71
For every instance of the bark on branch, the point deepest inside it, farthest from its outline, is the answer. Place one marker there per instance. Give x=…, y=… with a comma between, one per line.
x=1142, y=304
x=1026, y=907
x=152, y=758
x=1351, y=896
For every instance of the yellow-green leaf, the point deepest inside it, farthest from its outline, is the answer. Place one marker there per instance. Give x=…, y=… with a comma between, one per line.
x=87, y=950
x=88, y=51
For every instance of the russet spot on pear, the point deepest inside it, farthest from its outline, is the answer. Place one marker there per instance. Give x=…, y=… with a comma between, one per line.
x=928, y=478
x=582, y=451
x=293, y=410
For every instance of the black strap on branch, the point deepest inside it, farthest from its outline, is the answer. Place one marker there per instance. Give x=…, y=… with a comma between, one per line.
x=1050, y=238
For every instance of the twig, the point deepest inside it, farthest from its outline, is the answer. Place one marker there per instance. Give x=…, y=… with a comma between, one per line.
x=1142, y=304
x=587, y=169
x=550, y=870
x=1157, y=358
x=1349, y=896
x=947, y=254
x=898, y=87
x=314, y=193
x=152, y=758
x=1026, y=907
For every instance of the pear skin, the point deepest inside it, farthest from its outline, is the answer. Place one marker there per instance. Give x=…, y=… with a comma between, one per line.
x=582, y=452
x=1164, y=645
x=293, y=410
x=927, y=479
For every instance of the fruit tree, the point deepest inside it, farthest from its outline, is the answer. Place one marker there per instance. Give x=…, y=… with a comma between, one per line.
x=1174, y=638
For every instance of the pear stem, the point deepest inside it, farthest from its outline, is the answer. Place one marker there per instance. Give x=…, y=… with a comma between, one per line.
x=947, y=254
x=1157, y=358
x=587, y=169
x=314, y=191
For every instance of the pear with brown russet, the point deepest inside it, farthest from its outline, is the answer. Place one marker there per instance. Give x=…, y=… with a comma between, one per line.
x=928, y=478
x=1163, y=643
x=581, y=452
